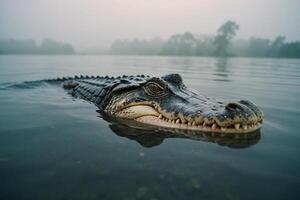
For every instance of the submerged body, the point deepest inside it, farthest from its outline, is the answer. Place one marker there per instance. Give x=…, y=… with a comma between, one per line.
x=165, y=102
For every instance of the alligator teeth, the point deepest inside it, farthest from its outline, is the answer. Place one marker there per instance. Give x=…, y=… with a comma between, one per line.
x=205, y=124
x=198, y=120
x=207, y=121
x=214, y=126
x=182, y=119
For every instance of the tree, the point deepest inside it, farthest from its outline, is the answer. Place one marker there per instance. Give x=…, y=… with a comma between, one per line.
x=136, y=47
x=276, y=46
x=50, y=46
x=258, y=47
x=225, y=34
x=290, y=50
x=180, y=45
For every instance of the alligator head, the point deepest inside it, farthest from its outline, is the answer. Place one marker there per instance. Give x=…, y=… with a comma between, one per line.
x=167, y=102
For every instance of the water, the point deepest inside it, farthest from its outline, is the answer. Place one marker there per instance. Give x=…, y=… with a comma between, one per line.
x=55, y=147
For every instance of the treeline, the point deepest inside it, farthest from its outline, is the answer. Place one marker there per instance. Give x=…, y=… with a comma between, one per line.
x=47, y=46
x=262, y=47
x=137, y=47
x=188, y=44
x=222, y=44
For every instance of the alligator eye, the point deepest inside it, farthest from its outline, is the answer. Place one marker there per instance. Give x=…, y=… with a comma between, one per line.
x=154, y=89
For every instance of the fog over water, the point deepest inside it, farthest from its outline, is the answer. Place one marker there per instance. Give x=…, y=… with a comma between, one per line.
x=97, y=23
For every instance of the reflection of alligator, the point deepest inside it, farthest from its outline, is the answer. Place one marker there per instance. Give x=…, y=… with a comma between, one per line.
x=164, y=102
x=150, y=136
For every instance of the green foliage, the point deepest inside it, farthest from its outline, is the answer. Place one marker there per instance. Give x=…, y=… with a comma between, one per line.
x=225, y=34
x=180, y=45
x=290, y=50
x=258, y=47
x=18, y=47
x=47, y=46
x=261, y=47
x=136, y=47
x=188, y=44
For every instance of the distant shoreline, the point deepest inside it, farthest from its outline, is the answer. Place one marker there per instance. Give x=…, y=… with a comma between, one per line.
x=139, y=55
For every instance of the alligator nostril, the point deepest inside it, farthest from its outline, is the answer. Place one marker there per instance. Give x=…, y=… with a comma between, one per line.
x=232, y=106
x=253, y=107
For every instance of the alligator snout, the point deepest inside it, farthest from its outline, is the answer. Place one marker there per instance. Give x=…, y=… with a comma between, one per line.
x=214, y=114
x=253, y=108
x=244, y=108
x=242, y=112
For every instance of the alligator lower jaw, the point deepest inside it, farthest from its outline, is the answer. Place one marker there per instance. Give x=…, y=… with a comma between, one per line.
x=148, y=115
x=153, y=120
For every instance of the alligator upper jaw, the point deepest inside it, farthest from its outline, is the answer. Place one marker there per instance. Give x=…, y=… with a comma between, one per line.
x=150, y=115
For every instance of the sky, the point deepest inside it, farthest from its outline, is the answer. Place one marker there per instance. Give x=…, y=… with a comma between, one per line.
x=97, y=23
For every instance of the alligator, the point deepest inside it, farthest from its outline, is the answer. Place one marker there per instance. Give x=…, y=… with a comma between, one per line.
x=165, y=102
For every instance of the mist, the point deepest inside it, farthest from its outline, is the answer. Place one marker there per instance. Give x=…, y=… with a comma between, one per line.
x=97, y=23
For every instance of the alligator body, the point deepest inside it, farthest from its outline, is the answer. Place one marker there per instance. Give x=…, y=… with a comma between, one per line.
x=164, y=102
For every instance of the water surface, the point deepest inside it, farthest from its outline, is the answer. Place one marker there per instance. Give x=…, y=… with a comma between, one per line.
x=55, y=147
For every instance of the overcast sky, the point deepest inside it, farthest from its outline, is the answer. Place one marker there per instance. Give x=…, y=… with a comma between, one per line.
x=96, y=23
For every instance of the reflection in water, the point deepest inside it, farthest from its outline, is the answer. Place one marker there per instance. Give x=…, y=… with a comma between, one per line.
x=222, y=69
x=150, y=136
x=183, y=62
